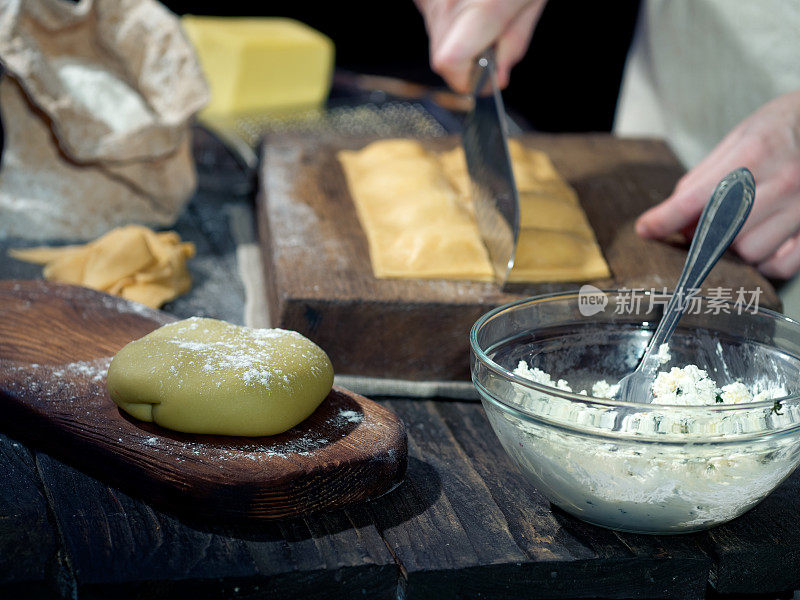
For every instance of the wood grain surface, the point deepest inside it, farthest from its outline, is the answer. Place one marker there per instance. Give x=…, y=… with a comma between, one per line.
x=319, y=279
x=464, y=524
x=66, y=533
x=55, y=346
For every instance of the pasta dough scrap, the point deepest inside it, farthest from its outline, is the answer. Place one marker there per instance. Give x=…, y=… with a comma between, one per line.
x=133, y=262
x=416, y=210
x=207, y=376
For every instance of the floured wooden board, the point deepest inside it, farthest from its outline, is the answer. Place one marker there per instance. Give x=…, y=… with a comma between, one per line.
x=56, y=343
x=319, y=278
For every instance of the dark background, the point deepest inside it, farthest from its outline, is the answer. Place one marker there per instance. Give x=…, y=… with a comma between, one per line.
x=568, y=81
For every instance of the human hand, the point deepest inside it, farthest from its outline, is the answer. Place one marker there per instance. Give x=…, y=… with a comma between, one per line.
x=459, y=30
x=768, y=143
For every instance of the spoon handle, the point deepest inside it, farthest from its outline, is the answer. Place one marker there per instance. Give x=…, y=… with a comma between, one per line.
x=721, y=220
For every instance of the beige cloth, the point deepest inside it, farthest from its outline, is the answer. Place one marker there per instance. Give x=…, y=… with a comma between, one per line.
x=97, y=108
x=696, y=68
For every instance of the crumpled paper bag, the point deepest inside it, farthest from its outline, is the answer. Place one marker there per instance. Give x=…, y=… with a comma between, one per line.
x=96, y=106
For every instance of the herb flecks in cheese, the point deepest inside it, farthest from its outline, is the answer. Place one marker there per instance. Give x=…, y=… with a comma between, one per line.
x=685, y=386
x=698, y=467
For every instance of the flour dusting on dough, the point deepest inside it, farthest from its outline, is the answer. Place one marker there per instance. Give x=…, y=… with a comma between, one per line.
x=228, y=356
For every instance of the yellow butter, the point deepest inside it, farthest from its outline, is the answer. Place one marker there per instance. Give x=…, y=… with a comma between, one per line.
x=257, y=65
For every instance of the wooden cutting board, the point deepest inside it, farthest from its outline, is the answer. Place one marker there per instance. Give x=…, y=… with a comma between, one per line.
x=319, y=280
x=56, y=343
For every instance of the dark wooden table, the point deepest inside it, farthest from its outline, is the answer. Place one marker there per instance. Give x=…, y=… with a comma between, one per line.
x=464, y=524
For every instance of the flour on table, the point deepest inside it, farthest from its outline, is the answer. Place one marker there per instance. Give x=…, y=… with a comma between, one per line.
x=61, y=383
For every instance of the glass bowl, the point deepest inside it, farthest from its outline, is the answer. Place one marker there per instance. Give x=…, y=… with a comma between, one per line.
x=640, y=467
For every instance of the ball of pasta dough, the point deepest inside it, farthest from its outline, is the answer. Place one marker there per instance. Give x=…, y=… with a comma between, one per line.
x=208, y=376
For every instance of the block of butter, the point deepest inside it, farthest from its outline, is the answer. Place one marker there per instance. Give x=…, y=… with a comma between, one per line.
x=260, y=64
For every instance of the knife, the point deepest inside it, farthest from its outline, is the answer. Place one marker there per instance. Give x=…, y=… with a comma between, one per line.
x=494, y=191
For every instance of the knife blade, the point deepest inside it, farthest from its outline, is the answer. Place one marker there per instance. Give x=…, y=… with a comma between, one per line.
x=485, y=141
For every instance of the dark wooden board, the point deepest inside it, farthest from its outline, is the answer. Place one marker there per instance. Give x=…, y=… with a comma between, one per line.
x=120, y=547
x=67, y=534
x=489, y=533
x=319, y=280
x=28, y=542
x=464, y=524
x=55, y=346
x=760, y=551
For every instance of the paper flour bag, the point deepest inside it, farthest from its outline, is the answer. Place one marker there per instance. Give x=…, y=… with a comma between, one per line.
x=96, y=104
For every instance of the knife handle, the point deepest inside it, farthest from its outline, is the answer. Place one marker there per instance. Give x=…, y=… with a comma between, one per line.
x=484, y=72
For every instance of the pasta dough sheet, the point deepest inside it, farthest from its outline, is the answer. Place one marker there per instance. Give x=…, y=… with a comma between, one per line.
x=416, y=210
x=416, y=222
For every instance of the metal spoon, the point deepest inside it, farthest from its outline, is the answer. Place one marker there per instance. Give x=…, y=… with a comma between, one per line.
x=721, y=220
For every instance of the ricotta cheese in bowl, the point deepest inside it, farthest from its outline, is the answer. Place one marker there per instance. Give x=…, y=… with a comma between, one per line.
x=721, y=432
